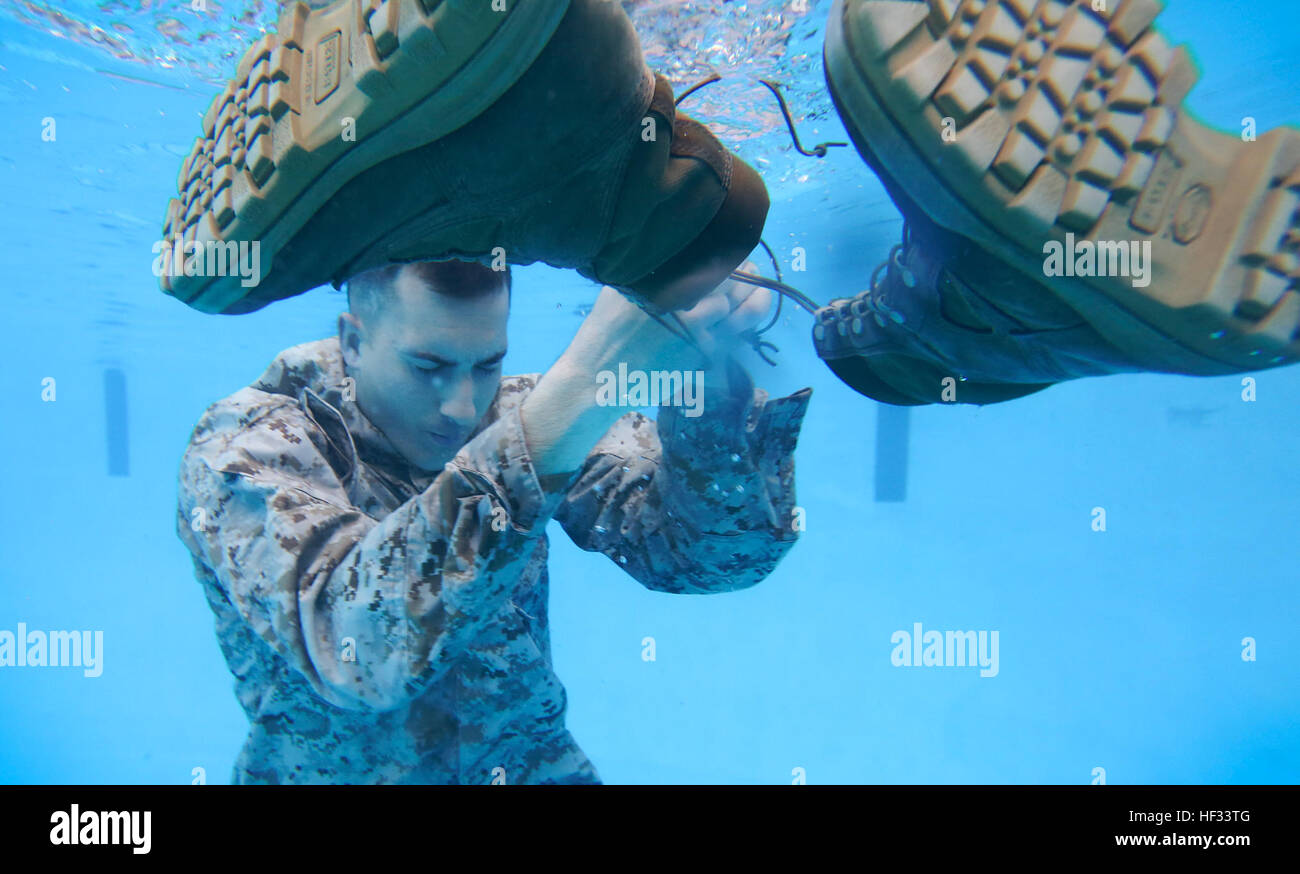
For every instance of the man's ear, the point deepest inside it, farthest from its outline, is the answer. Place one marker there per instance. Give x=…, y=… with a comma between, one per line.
x=350, y=337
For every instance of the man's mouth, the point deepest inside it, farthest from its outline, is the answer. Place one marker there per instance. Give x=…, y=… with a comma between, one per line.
x=453, y=442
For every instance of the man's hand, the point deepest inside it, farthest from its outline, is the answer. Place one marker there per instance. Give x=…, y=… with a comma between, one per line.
x=719, y=321
x=618, y=331
x=562, y=419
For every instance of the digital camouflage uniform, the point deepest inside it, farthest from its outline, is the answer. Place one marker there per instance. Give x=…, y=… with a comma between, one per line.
x=385, y=625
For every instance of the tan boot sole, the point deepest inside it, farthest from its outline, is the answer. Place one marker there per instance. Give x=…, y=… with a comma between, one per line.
x=1068, y=121
x=400, y=73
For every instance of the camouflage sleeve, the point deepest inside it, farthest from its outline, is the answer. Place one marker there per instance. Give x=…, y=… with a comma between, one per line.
x=369, y=611
x=693, y=505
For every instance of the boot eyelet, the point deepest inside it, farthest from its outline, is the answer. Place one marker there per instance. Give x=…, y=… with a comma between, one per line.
x=909, y=278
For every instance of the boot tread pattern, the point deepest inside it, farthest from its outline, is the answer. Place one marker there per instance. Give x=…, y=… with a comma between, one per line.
x=278, y=124
x=1064, y=111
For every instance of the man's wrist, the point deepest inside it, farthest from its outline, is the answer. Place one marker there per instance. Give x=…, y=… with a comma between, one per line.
x=717, y=378
x=562, y=420
x=729, y=381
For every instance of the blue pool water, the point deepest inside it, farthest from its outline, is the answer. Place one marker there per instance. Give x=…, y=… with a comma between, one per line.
x=1118, y=650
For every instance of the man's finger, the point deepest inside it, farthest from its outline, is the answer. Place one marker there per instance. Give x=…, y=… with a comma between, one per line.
x=749, y=314
x=738, y=292
x=737, y=289
x=711, y=309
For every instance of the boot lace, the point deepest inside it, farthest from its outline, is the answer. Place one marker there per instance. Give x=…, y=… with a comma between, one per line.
x=876, y=298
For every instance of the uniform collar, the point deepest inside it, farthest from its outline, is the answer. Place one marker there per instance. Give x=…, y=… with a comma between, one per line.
x=314, y=373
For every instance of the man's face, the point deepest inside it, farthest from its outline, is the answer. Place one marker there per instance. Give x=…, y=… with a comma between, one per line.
x=428, y=370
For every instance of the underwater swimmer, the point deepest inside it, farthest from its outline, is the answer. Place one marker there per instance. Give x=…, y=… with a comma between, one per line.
x=368, y=520
x=1065, y=216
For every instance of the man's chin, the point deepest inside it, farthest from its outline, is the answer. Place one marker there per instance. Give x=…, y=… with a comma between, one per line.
x=426, y=455
x=434, y=462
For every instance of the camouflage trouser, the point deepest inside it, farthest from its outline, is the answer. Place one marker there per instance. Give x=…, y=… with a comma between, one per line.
x=583, y=163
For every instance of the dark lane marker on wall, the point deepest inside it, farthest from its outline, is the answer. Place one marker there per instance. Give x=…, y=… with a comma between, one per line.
x=892, y=430
x=115, y=422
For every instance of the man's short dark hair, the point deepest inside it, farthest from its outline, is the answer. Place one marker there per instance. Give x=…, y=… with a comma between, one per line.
x=370, y=293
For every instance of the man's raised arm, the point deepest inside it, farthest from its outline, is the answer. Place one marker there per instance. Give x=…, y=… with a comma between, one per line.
x=694, y=504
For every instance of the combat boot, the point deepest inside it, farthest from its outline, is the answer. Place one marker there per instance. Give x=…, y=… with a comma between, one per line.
x=943, y=321
x=1050, y=135
x=368, y=132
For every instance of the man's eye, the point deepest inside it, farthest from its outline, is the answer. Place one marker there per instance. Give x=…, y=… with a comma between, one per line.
x=429, y=368
x=489, y=368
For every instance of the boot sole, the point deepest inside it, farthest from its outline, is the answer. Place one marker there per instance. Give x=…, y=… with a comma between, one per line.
x=1068, y=127
x=402, y=73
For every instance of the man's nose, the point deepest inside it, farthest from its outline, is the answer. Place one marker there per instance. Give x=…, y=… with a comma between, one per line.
x=458, y=403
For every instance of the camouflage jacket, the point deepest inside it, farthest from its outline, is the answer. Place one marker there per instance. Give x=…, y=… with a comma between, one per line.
x=388, y=625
